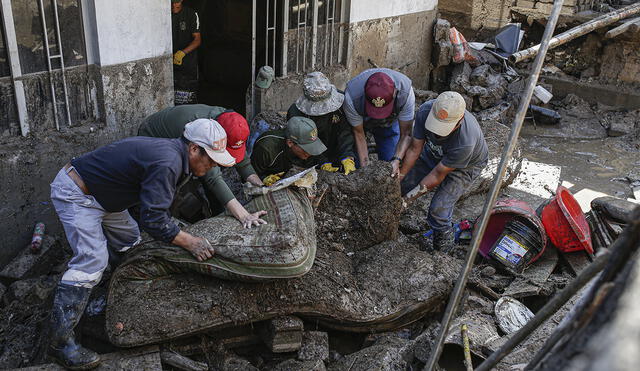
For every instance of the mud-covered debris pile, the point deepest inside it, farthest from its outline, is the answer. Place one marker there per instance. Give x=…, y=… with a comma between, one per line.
x=358, y=210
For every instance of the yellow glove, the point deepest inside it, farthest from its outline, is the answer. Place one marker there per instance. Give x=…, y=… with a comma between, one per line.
x=327, y=166
x=177, y=57
x=348, y=165
x=270, y=179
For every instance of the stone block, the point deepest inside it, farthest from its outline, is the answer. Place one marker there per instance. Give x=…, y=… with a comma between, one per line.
x=441, y=30
x=283, y=334
x=315, y=346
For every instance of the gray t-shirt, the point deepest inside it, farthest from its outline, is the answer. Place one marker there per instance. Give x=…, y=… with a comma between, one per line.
x=354, y=97
x=464, y=148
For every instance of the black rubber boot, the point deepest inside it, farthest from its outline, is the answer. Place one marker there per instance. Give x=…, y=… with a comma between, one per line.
x=443, y=240
x=68, y=305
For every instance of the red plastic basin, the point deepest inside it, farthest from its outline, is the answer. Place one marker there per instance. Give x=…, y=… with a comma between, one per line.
x=566, y=224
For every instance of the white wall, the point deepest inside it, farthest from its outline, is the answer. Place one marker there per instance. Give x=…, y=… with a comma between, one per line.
x=362, y=10
x=127, y=30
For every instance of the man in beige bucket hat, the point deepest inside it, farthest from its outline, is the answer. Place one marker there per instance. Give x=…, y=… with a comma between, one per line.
x=322, y=103
x=448, y=151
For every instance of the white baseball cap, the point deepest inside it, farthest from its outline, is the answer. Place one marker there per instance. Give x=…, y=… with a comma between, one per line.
x=445, y=113
x=208, y=134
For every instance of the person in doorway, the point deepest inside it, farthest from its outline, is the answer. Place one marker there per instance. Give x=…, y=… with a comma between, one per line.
x=322, y=103
x=381, y=101
x=447, y=151
x=276, y=151
x=91, y=195
x=170, y=122
x=186, y=40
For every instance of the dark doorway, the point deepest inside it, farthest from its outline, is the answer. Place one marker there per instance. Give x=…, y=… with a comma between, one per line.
x=225, y=52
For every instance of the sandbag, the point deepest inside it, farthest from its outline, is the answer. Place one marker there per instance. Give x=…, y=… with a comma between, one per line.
x=283, y=248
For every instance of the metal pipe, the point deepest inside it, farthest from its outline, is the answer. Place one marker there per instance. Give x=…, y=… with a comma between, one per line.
x=314, y=34
x=333, y=29
x=62, y=68
x=253, y=61
x=343, y=19
x=54, y=101
x=298, y=40
x=304, y=44
x=547, y=311
x=495, y=187
x=578, y=31
x=273, y=34
x=285, y=36
x=266, y=37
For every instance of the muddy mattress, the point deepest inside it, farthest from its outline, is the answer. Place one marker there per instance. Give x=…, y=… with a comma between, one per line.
x=378, y=289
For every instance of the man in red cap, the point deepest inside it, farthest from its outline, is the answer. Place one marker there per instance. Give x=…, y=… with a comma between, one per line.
x=169, y=123
x=381, y=101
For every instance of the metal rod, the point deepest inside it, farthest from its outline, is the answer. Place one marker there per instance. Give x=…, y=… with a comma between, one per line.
x=253, y=61
x=547, y=311
x=62, y=67
x=11, y=44
x=298, y=40
x=273, y=34
x=285, y=36
x=304, y=44
x=495, y=188
x=54, y=101
x=325, y=52
x=266, y=37
x=343, y=20
x=333, y=29
x=314, y=34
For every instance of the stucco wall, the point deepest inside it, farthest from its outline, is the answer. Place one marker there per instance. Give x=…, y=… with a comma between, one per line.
x=130, y=30
x=474, y=15
x=402, y=43
x=364, y=10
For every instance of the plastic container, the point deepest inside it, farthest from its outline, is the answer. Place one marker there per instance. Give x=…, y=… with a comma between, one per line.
x=566, y=224
x=505, y=211
x=518, y=244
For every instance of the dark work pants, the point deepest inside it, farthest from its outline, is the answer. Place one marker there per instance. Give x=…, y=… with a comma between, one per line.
x=446, y=194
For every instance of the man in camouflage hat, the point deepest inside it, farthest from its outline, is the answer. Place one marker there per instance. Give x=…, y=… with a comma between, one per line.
x=276, y=151
x=322, y=103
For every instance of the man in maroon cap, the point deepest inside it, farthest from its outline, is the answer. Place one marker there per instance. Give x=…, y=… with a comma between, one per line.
x=169, y=123
x=381, y=101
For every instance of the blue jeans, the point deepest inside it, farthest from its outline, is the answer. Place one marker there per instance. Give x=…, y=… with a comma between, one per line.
x=446, y=194
x=386, y=140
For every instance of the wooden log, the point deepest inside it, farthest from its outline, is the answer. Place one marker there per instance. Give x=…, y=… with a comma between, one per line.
x=626, y=26
x=181, y=362
x=578, y=31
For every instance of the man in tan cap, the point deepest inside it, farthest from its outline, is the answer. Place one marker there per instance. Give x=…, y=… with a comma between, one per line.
x=91, y=195
x=447, y=151
x=322, y=103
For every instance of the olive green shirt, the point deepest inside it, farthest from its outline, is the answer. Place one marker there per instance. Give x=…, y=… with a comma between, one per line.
x=334, y=131
x=271, y=155
x=170, y=122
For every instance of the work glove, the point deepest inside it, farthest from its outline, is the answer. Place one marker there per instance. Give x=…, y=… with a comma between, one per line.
x=348, y=165
x=177, y=57
x=270, y=179
x=328, y=166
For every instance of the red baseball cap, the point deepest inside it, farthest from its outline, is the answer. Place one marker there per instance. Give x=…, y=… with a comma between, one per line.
x=237, y=131
x=379, y=92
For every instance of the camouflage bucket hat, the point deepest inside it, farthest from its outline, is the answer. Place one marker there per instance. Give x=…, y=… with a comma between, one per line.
x=320, y=96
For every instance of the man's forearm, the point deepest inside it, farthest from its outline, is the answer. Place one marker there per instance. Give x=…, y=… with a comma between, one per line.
x=361, y=147
x=409, y=161
x=237, y=210
x=193, y=45
x=405, y=139
x=255, y=180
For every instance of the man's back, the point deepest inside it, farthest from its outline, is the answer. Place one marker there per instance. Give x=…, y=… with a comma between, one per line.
x=170, y=122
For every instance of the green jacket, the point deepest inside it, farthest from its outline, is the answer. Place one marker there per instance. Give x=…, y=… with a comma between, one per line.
x=271, y=155
x=334, y=131
x=170, y=122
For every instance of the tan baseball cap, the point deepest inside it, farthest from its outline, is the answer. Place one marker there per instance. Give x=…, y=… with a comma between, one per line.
x=445, y=113
x=208, y=134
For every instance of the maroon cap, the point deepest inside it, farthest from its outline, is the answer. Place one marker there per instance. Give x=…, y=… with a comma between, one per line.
x=237, y=133
x=379, y=92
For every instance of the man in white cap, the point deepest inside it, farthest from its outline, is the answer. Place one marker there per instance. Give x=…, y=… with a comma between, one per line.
x=91, y=195
x=447, y=151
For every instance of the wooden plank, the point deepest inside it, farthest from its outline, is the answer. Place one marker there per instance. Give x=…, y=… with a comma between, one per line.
x=530, y=282
x=283, y=334
x=622, y=28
